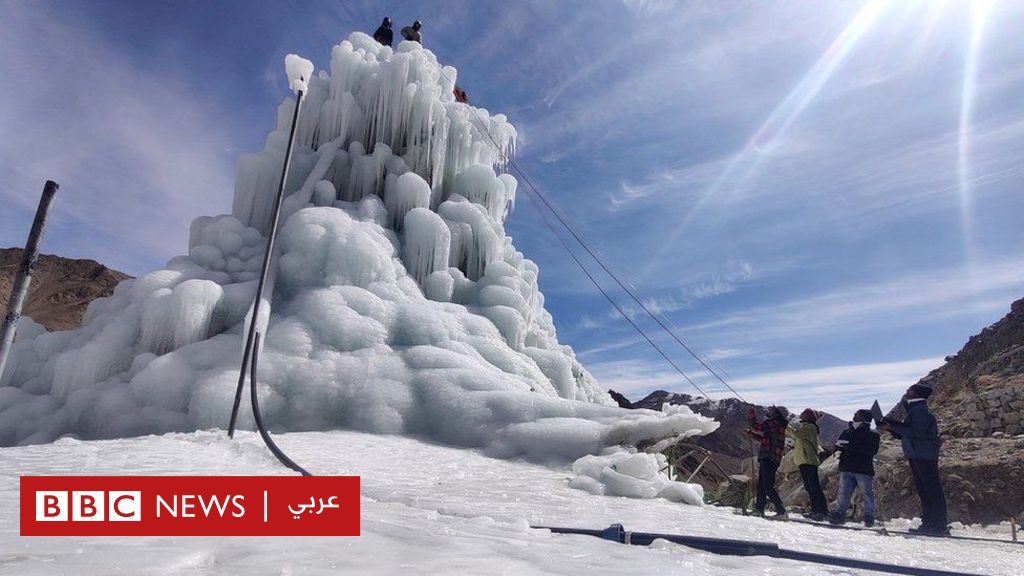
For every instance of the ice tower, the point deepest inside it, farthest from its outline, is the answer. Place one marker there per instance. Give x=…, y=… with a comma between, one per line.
x=400, y=305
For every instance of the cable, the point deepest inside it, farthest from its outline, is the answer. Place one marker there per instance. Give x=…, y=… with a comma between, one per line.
x=610, y=299
x=529, y=182
x=627, y=286
x=281, y=456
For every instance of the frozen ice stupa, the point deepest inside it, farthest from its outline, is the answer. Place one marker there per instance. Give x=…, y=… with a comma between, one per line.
x=399, y=304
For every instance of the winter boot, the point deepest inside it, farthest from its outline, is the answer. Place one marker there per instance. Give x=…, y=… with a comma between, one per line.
x=819, y=517
x=930, y=531
x=836, y=519
x=869, y=521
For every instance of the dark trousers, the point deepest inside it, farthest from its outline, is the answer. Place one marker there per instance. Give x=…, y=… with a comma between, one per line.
x=929, y=490
x=809, y=474
x=766, y=487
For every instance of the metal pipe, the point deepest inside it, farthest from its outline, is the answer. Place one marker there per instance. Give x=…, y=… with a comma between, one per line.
x=29, y=258
x=247, y=351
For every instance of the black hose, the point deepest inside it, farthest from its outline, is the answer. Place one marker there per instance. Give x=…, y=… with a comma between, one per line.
x=264, y=267
x=728, y=547
x=281, y=456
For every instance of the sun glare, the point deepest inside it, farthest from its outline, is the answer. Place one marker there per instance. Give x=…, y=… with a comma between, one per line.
x=979, y=16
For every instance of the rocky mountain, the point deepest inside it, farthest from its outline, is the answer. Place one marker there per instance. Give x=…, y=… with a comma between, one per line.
x=979, y=391
x=730, y=446
x=61, y=288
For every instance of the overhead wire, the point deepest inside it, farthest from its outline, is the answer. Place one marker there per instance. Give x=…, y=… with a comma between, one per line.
x=608, y=297
x=632, y=292
x=626, y=286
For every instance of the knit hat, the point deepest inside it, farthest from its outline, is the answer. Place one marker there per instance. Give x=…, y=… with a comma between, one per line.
x=863, y=414
x=922, y=391
x=809, y=415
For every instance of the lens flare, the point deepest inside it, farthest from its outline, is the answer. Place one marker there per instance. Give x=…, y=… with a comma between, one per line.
x=967, y=100
x=768, y=136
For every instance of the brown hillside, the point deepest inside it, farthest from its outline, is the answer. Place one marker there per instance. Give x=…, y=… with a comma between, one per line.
x=979, y=392
x=61, y=288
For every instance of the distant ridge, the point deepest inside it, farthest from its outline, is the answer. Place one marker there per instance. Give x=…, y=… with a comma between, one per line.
x=61, y=288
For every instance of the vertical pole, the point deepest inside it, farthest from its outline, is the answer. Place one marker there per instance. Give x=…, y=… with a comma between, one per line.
x=247, y=351
x=29, y=257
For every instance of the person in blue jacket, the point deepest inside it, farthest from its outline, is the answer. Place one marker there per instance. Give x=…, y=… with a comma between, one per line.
x=919, y=433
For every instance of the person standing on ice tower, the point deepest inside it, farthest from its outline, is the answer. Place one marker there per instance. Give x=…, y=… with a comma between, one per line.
x=384, y=34
x=805, y=455
x=919, y=433
x=772, y=435
x=413, y=33
x=857, y=446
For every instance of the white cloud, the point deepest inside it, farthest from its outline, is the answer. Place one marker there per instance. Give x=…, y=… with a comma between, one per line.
x=836, y=389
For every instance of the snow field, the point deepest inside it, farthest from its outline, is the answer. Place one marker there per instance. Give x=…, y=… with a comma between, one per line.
x=431, y=509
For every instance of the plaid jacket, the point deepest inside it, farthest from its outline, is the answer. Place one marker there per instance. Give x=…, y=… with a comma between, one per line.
x=772, y=434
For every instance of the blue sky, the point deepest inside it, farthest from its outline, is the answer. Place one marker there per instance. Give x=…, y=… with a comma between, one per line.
x=825, y=197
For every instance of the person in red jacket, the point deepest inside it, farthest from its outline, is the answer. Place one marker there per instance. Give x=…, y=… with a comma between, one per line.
x=772, y=435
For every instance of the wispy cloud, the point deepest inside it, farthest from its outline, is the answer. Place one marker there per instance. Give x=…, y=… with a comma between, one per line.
x=913, y=298
x=138, y=153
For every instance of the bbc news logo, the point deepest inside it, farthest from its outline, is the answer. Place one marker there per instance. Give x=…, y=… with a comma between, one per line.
x=88, y=506
x=189, y=506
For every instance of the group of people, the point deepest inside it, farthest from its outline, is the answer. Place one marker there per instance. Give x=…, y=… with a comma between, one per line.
x=413, y=33
x=857, y=446
x=385, y=36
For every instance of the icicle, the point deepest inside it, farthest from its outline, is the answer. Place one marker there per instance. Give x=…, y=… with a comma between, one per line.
x=367, y=174
x=408, y=191
x=484, y=247
x=479, y=184
x=324, y=193
x=426, y=242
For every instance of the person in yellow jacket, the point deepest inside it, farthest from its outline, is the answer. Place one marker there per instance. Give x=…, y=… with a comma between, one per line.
x=805, y=455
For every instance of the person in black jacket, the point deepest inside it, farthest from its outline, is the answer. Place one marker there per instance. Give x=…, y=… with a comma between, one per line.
x=384, y=35
x=857, y=447
x=919, y=433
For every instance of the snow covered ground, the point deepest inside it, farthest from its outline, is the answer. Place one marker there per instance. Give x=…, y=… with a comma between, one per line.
x=430, y=509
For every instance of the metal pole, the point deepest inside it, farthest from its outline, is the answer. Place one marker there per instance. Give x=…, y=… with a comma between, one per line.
x=699, y=466
x=29, y=257
x=247, y=351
